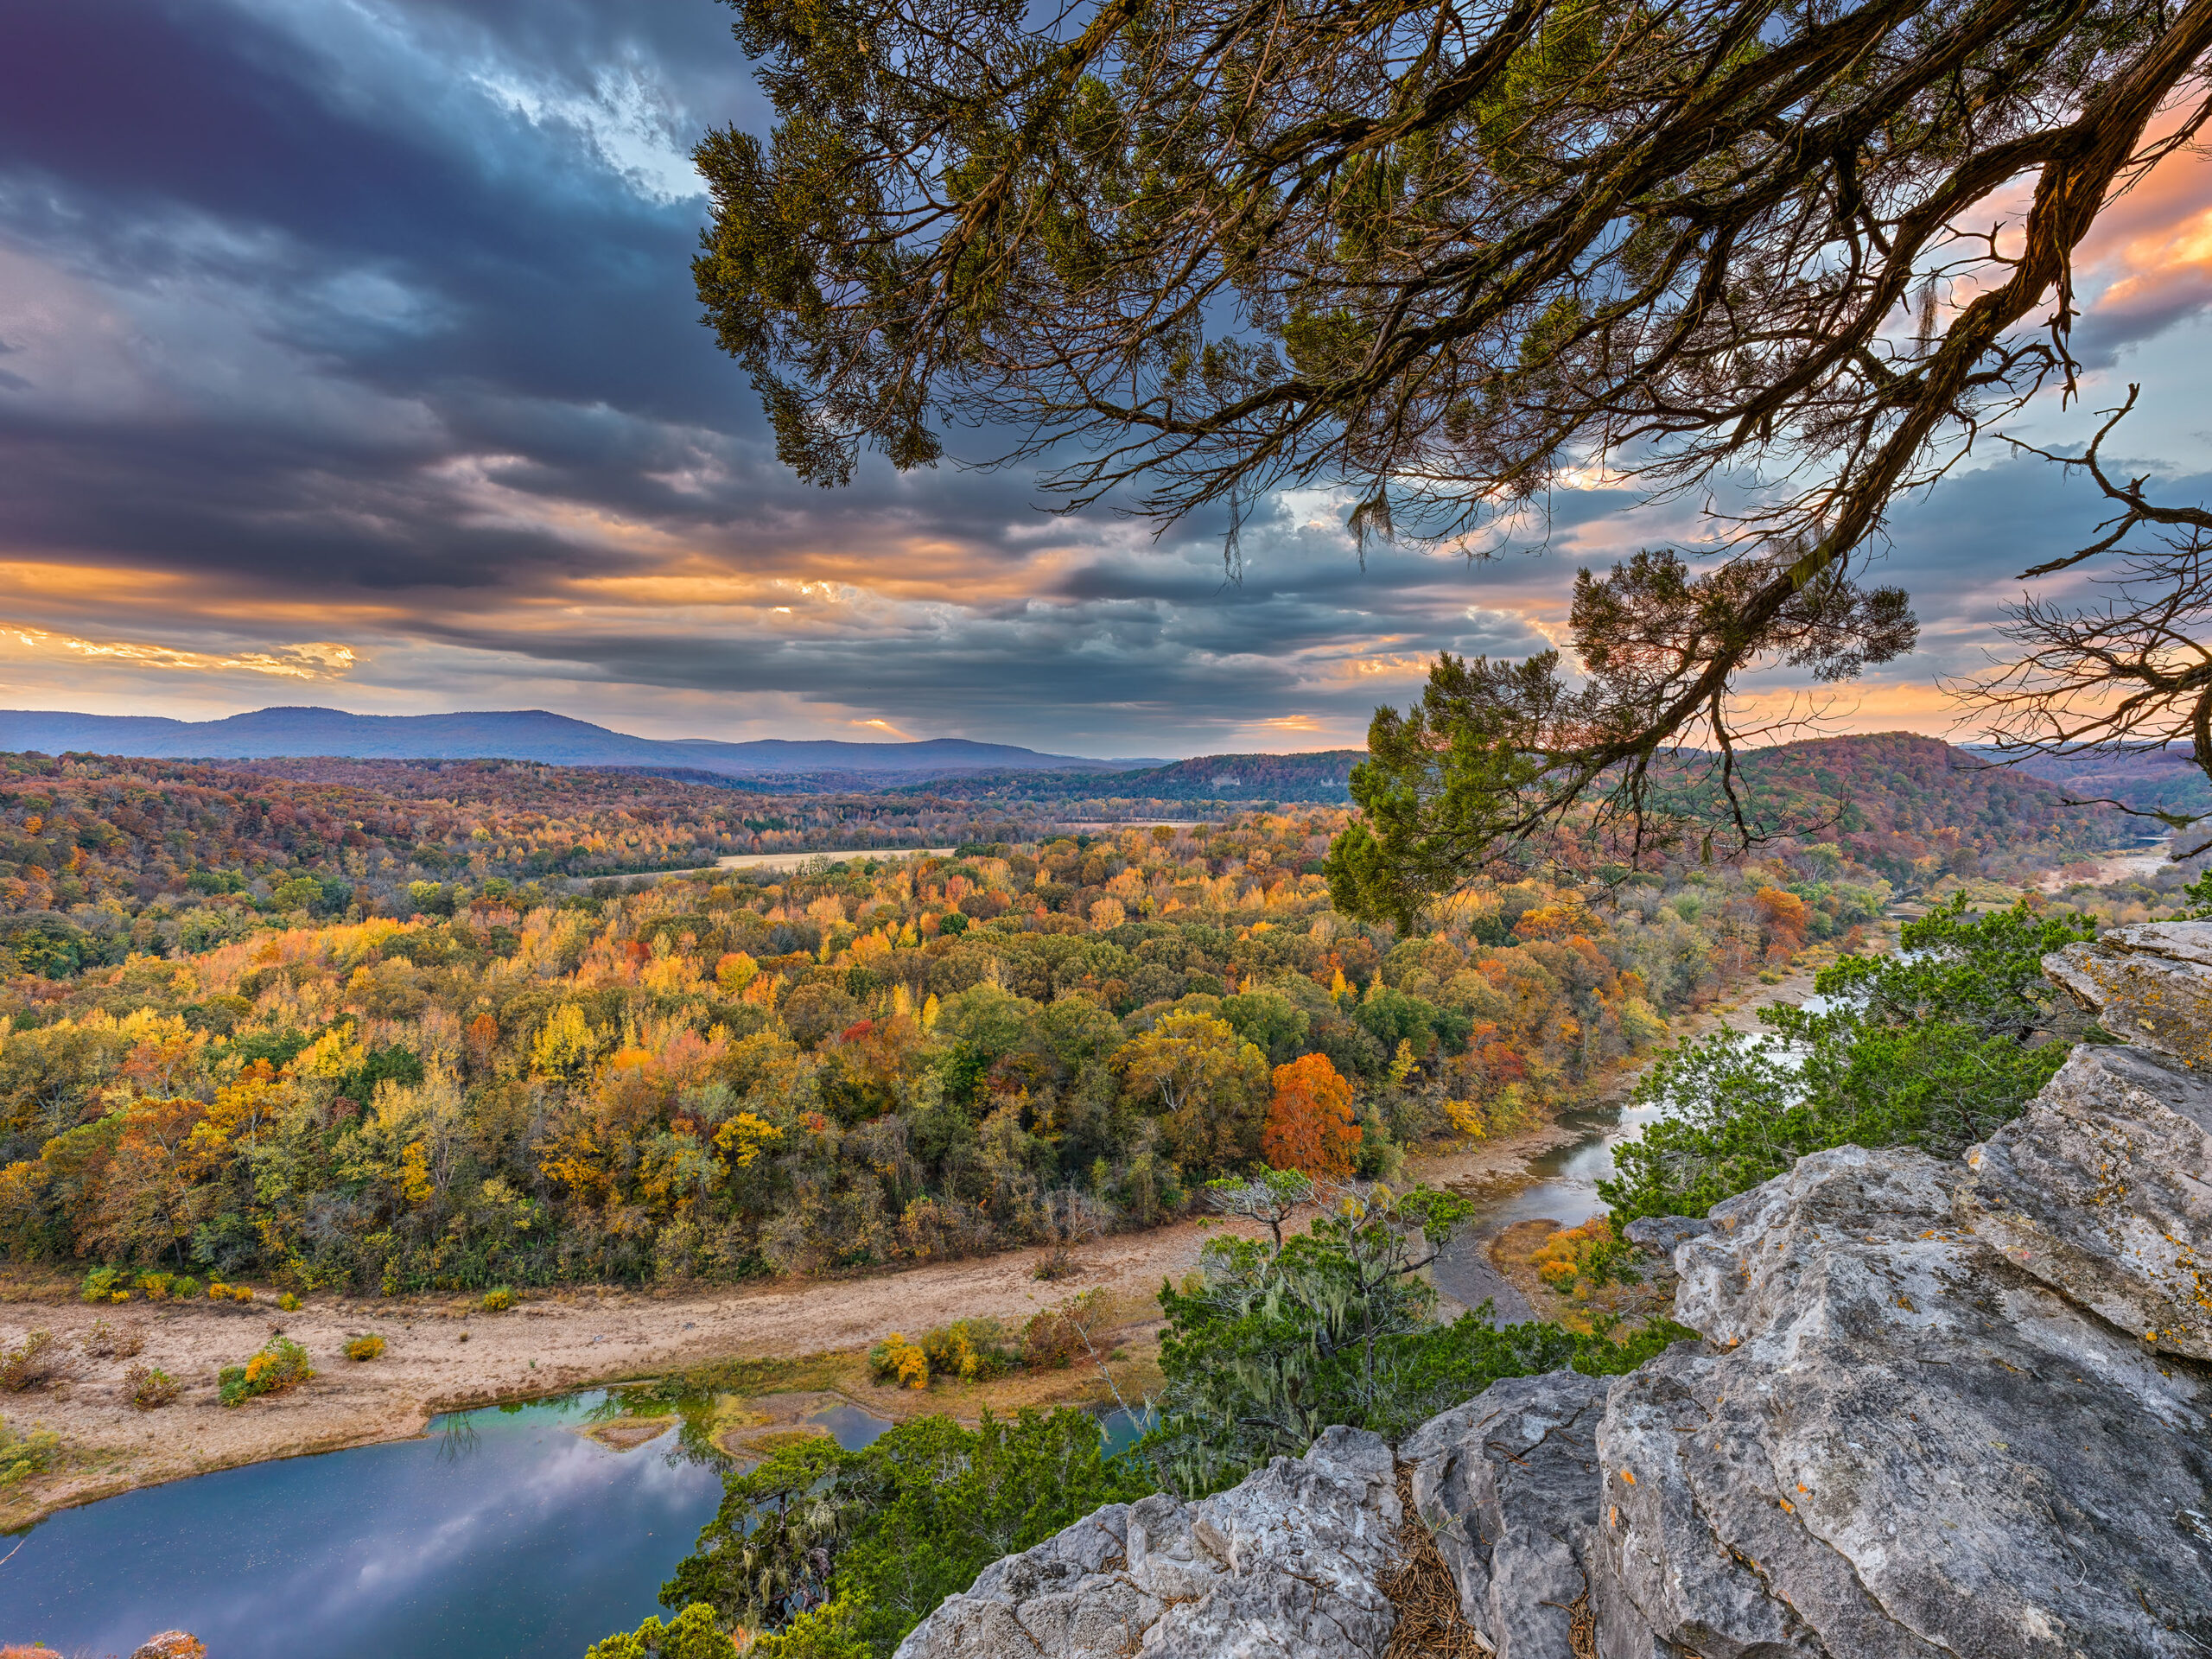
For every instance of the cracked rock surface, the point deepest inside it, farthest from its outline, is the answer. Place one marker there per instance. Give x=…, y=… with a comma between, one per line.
x=2149, y=985
x=2103, y=1190
x=1509, y=1484
x=1285, y=1565
x=1894, y=1442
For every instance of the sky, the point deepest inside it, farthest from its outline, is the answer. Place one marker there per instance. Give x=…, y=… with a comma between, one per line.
x=349, y=356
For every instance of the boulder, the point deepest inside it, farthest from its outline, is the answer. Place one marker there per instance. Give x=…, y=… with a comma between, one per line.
x=2149, y=985
x=1894, y=1441
x=2103, y=1190
x=1288, y=1565
x=1507, y=1484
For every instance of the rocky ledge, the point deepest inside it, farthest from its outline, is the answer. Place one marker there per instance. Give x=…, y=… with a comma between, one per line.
x=1938, y=1408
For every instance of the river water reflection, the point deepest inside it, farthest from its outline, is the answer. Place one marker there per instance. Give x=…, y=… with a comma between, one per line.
x=504, y=1533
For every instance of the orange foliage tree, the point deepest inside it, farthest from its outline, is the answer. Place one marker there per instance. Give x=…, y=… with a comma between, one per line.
x=1786, y=918
x=1310, y=1126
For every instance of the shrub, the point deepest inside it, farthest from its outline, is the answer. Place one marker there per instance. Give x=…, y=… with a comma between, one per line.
x=100, y=1283
x=968, y=1349
x=829, y=1632
x=288, y=1302
x=896, y=1360
x=1053, y=1338
x=365, y=1348
x=1576, y=1261
x=1935, y=1045
x=497, y=1299
x=890, y=1531
x=184, y=1287
x=23, y=1455
x=1272, y=1345
x=106, y=1342
x=280, y=1364
x=149, y=1386
x=38, y=1359
x=692, y=1634
x=157, y=1285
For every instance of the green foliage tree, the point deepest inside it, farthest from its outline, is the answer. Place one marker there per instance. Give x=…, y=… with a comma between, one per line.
x=1436, y=257
x=884, y=1534
x=1935, y=1045
x=1207, y=1086
x=1334, y=1325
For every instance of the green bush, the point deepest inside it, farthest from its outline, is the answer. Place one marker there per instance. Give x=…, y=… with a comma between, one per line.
x=184, y=1287
x=1273, y=1345
x=280, y=1364
x=100, y=1284
x=971, y=1350
x=288, y=1303
x=1935, y=1046
x=692, y=1634
x=24, y=1455
x=883, y=1534
x=831, y=1632
x=497, y=1299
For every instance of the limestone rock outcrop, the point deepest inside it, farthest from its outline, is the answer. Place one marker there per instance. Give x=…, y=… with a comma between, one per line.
x=1894, y=1442
x=1939, y=1408
x=2103, y=1187
x=2149, y=985
x=1287, y=1566
x=1508, y=1483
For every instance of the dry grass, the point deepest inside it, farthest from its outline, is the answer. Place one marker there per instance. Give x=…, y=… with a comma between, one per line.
x=106, y=1341
x=1422, y=1593
x=1513, y=1253
x=37, y=1362
x=1582, y=1628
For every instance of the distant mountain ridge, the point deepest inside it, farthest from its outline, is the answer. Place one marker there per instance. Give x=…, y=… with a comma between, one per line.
x=2162, y=779
x=520, y=734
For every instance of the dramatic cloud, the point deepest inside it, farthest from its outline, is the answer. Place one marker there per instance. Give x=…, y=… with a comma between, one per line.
x=368, y=324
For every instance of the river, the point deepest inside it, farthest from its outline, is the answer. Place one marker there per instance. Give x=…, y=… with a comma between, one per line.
x=1561, y=1183
x=503, y=1533
x=506, y=1533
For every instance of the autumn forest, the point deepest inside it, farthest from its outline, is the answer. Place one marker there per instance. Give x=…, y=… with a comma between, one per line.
x=370, y=1028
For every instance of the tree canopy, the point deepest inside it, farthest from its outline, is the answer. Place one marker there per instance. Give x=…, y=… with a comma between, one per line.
x=1444, y=257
